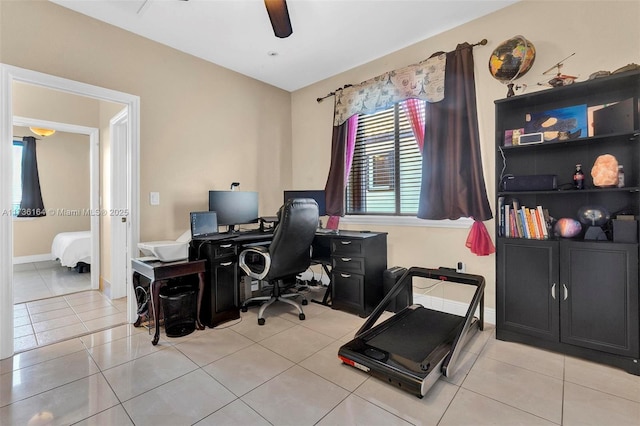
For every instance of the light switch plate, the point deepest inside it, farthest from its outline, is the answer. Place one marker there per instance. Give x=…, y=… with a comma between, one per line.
x=154, y=198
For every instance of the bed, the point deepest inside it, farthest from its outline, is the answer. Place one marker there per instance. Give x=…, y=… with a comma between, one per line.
x=72, y=248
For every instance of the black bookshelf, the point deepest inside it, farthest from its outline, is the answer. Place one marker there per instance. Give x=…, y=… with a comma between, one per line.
x=572, y=295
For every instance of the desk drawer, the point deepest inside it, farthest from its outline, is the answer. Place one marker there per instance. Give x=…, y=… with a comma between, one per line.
x=223, y=250
x=348, y=264
x=348, y=292
x=340, y=246
x=212, y=251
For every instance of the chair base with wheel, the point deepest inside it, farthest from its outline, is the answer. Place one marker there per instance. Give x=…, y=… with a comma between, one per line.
x=276, y=295
x=288, y=254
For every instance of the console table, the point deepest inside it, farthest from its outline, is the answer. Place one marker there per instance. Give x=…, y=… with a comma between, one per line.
x=159, y=273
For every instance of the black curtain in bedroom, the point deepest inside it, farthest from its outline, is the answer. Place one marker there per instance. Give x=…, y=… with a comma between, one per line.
x=31, y=204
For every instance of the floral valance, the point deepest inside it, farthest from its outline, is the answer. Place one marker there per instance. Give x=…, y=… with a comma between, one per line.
x=421, y=81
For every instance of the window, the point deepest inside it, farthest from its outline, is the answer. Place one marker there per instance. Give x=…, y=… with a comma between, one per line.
x=387, y=165
x=17, y=178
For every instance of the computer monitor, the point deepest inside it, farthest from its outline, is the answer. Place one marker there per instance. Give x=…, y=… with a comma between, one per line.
x=317, y=195
x=234, y=207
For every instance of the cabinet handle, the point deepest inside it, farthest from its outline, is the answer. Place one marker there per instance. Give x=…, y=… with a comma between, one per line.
x=553, y=291
x=225, y=245
x=346, y=259
x=226, y=263
x=566, y=291
x=345, y=275
x=345, y=243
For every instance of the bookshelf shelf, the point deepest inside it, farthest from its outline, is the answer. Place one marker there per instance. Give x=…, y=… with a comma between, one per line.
x=560, y=192
x=549, y=290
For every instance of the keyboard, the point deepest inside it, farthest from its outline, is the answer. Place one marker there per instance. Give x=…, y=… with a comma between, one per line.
x=248, y=236
x=216, y=237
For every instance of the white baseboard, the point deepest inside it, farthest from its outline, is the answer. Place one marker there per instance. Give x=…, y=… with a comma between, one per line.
x=33, y=258
x=451, y=306
x=437, y=303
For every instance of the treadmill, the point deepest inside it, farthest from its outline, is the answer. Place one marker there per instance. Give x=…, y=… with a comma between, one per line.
x=417, y=345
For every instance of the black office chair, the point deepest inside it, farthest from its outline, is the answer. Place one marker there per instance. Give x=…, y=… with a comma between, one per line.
x=288, y=254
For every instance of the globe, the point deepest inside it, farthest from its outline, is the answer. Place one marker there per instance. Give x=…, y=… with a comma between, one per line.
x=512, y=59
x=567, y=227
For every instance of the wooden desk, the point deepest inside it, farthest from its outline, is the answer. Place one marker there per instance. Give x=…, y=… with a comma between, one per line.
x=159, y=273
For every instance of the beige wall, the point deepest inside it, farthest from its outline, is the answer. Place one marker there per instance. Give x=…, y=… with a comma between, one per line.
x=202, y=126
x=63, y=168
x=605, y=36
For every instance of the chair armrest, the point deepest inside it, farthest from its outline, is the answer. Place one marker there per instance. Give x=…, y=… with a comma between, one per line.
x=255, y=270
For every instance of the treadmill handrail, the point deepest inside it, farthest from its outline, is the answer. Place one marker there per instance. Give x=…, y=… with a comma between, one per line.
x=450, y=363
x=415, y=271
x=477, y=301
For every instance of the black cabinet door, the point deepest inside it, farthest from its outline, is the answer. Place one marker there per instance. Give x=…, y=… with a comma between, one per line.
x=348, y=292
x=220, y=299
x=527, y=287
x=599, y=296
x=226, y=288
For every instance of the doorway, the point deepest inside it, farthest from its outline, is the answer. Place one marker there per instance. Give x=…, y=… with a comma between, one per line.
x=59, y=212
x=9, y=75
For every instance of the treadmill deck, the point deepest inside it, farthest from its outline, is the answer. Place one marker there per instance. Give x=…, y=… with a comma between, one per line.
x=413, y=348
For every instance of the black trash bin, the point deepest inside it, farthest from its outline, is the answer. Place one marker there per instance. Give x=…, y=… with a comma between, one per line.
x=179, y=310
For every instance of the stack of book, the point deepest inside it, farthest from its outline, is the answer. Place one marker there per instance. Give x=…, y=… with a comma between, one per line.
x=521, y=221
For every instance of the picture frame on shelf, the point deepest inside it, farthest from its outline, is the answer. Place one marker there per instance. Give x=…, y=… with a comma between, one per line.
x=559, y=124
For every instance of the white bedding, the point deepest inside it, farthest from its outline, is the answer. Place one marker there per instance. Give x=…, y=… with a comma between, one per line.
x=72, y=247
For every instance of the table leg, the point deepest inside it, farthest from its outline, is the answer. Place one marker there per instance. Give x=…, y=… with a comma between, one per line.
x=154, y=287
x=327, y=293
x=200, y=291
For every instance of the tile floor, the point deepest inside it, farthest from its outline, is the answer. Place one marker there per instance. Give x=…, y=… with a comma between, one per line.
x=54, y=303
x=40, y=280
x=287, y=373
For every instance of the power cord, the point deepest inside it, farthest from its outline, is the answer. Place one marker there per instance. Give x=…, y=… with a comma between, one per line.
x=428, y=288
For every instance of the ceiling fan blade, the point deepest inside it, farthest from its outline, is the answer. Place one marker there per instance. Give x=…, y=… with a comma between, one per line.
x=279, y=16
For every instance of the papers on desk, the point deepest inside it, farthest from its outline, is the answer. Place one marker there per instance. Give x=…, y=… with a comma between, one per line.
x=147, y=259
x=326, y=231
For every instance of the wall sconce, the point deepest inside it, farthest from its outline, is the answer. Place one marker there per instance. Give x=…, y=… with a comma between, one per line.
x=42, y=132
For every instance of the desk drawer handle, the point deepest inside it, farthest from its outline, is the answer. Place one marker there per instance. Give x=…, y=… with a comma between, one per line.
x=226, y=263
x=225, y=245
x=345, y=275
x=345, y=243
x=346, y=259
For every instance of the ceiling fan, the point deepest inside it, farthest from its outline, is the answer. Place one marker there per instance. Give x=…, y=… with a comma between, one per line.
x=278, y=15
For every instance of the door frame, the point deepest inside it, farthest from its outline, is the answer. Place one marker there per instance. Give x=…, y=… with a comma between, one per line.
x=118, y=195
x=94, y=178
x=8, y=75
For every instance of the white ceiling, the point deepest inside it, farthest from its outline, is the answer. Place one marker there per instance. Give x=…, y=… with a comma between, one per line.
x=329, y=36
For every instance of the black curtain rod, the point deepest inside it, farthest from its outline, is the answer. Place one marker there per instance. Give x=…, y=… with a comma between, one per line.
x=481, y=42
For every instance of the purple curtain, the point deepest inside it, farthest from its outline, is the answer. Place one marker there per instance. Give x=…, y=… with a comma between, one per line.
x=342, y=146
x=452, y=178
x=31, y=204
